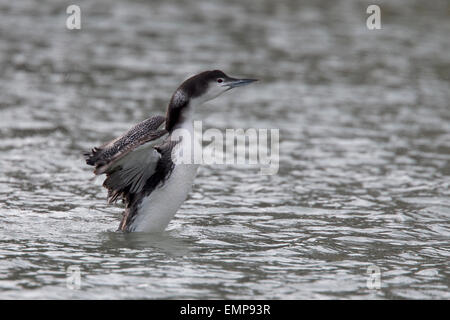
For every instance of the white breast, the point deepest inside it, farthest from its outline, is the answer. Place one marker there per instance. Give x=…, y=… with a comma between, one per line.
x=156, y=210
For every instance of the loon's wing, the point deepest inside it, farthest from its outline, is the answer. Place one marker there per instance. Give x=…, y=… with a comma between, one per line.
x=162, y=172
x=129, y=160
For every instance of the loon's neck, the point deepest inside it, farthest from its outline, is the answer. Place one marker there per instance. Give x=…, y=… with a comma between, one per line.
x=181, y=109
x=178, y=111
x=188, y=150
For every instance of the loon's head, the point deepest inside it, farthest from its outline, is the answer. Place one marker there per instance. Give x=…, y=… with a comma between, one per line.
x=198, y=89
x=208, y=85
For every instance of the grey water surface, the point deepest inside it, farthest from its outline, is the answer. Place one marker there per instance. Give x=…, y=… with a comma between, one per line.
x=364, y=175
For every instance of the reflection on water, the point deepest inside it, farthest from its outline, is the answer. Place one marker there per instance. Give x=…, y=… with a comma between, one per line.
x=364, y=149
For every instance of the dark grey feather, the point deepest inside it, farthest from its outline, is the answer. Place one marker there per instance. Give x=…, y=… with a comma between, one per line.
x=145, y=131
x=162, y=172
x=129, y=160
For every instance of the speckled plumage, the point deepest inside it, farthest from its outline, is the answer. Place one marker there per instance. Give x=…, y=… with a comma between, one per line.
x=147, y=130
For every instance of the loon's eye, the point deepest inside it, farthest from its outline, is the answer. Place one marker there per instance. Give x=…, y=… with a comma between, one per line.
x=220, y=80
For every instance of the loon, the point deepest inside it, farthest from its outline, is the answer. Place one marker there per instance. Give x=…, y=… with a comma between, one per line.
x=141, y=166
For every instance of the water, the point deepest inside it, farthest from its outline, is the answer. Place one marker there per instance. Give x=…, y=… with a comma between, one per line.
x=364, y=173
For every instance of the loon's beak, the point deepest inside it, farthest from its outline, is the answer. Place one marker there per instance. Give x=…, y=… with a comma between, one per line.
x=233, y=83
